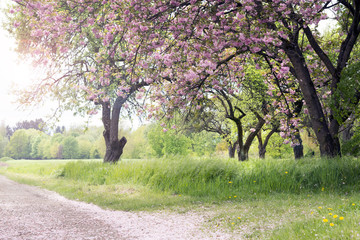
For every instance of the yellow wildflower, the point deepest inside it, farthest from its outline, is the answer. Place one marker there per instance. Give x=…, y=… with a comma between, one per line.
x=331, y=224
x=325, y=220
x=353, y=204
x=330, y=214
x=320, y=207
x=341, y=218
x=335, y=216
x=230, y=181
x=322, y=189
x=286, y=172
x=239, y=218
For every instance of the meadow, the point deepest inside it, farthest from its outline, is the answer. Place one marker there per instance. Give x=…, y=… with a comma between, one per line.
x=311, y=198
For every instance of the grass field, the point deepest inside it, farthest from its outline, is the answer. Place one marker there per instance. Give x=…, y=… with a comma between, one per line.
x=257, y=199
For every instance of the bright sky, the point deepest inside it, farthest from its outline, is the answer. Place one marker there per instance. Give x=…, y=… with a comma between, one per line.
x=15, y=74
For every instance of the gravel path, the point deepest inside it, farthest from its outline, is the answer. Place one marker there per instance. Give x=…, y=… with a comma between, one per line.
x=28, y=212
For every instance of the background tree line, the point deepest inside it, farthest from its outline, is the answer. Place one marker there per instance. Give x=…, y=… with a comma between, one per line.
x=28, y=141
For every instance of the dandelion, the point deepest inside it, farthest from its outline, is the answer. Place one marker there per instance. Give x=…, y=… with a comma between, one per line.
x=331, y=224
x=329, y=208
x=335, y=216
x=239, y=218
x=320, y=207
x=235, y=196
x=230, y=181
x=330, y=214
x=254, y=181
x=286, y=172
x=312, y=213
x=229, y=196
x=232, y=223
x=353, y=204
x=341, y=218
x=325, y=220
x=322, y=189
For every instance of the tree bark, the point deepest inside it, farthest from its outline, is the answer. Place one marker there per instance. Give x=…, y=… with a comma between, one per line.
x=110, y=119
x=298, y=148
x=261, y=148
x=253, y=134
x=328, y=143
x=232, y=148
x=263, y=145
x=242, y=155
x=243, y=148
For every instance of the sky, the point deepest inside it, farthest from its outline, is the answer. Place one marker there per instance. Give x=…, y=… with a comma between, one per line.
x=16, y=74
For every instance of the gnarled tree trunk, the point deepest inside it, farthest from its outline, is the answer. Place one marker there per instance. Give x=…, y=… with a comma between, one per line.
x=110, y=119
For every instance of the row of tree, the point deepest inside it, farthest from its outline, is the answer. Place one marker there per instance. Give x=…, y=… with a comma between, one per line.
x=145, y=142
x=263, y=66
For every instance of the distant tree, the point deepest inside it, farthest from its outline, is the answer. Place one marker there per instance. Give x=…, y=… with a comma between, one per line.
x=84, y=148
x=19, y=146
x=38, y=124
x=204, y=143
x=98, y=143
x=60, y=129
x=36, y=151
x=9, y=132
x=70, y=148
x=3, y=139
x=166, y=142
x=56, y=146
x=137, y=146
x=277, y=148
x=47, y=148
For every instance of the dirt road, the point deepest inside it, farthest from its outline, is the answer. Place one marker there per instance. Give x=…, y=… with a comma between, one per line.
x=28, y=212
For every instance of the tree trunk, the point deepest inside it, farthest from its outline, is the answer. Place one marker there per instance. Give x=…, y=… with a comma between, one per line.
x=261, y=148
x=263, y=145
x=347, y=133
x=327, y=138
x=110, y=119
x=242, y=155
x=329, y=144
x=298, y=148
x=232, y=148
x=253, y=134
x=114, y=150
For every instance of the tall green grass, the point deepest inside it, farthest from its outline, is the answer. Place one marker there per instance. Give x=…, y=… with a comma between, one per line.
x=256, y=199
x=218, y=177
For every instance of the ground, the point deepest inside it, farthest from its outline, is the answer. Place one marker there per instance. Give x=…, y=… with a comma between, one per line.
x=29, y=212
